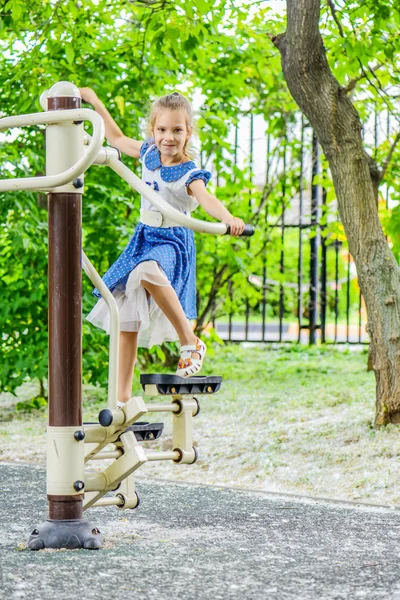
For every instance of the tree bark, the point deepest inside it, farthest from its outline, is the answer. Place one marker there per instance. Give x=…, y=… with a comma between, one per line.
x=338, y=129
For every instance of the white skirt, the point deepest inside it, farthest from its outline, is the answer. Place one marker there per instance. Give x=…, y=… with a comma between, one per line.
x=136, y=311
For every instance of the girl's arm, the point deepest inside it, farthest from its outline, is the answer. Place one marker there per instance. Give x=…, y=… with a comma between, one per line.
x=214, y=207
x=114, y=135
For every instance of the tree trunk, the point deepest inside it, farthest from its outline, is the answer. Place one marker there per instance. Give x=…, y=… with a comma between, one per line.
x=338, y=128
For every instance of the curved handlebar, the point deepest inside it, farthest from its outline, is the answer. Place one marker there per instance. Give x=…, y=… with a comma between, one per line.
x=94, y=147
x=166, y=209
x=50, y=118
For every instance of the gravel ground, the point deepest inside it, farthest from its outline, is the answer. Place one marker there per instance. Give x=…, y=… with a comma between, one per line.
x=195, y=543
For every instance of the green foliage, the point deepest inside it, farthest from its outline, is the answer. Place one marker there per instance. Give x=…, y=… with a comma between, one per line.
x=130, y=53
x=23, y=268
x=31, y=405
x=363, y=46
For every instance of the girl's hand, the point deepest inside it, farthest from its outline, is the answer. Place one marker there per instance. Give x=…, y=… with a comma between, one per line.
x=236, y=225
x=88, y=95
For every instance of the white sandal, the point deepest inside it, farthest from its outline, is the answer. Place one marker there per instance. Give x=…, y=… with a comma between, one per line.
x=188, y=366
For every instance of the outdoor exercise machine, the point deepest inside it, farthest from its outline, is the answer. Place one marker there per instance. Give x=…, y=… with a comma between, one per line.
x=71, y=444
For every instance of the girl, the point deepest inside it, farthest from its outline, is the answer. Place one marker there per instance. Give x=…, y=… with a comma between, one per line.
x=153, y=281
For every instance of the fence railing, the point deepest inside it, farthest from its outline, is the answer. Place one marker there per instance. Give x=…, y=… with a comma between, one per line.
x=320, y=299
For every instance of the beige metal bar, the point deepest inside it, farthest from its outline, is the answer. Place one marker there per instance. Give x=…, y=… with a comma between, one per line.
x=52, y=182
x=119, y=417
x=134, y=456
x=102, y=436
x=95, y=481
x=182, y=436
x=96, y=434
x=172, y=455
x=89, y=446
x=105, y=154
x=163, y=407
x=107, y=455
x=151, y=390
x=127, y=491
x=64, y=461
x=115, y=501
x=113, y=352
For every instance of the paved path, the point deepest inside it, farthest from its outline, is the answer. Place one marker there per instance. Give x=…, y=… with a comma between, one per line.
x=200, y=543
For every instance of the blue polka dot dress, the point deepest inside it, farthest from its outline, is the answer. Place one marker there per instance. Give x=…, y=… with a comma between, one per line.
x=161, y=256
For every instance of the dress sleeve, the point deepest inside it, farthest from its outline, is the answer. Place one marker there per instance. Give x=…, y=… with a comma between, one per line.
x=199, y=174
x=144, y=147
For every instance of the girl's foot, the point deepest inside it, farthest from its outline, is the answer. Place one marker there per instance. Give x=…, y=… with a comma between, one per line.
x=191, y=360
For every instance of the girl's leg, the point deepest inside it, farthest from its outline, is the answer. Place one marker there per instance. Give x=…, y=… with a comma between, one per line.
x=127, y=360
x=168, y=301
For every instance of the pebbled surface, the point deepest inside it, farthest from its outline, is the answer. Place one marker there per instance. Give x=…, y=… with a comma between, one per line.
x=194, y=542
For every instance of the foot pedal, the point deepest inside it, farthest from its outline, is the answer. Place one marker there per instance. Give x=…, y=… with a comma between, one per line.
x=143, y=431
x=154, y=384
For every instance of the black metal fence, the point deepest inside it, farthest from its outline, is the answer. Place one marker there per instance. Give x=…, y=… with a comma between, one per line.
x=319, y=299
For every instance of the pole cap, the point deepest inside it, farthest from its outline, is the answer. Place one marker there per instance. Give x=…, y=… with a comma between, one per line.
x=63, y=88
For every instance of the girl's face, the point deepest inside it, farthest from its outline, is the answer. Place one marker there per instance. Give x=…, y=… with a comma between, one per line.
x=171, y=133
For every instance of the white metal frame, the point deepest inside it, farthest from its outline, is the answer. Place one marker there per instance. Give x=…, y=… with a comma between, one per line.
x=49, y=183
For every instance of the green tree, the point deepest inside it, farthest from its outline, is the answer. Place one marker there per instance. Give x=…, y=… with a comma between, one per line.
x=360, y=48
x=130, y=53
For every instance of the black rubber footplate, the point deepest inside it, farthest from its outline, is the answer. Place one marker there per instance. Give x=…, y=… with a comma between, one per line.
x=172, y=384
x=143, y=430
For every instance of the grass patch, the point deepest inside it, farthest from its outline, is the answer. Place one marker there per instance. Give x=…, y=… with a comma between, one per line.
x=287, y=418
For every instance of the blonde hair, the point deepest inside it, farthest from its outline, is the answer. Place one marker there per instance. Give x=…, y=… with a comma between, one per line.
x=174, y=101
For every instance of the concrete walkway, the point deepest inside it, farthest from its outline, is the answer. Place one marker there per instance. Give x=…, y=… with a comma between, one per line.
x=193, y=542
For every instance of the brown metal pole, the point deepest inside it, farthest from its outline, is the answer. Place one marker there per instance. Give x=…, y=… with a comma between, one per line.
x=65, y=318
x=65, y=527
